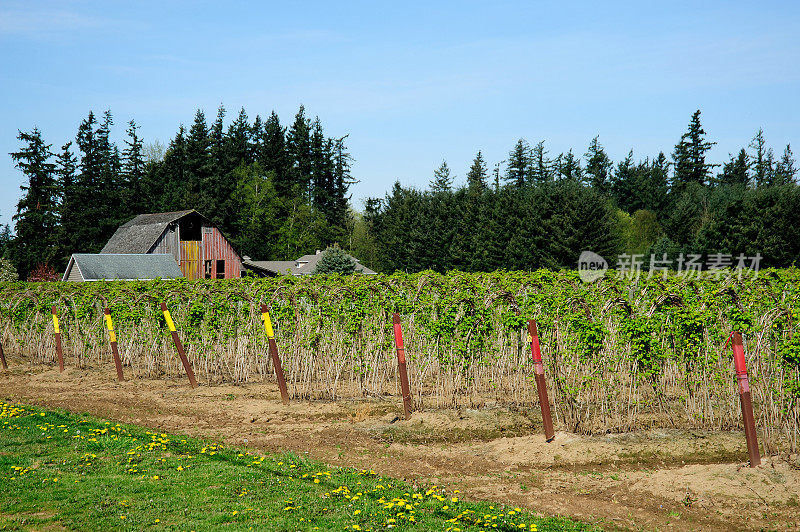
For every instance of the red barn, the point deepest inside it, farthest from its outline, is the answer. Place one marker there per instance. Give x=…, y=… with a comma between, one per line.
x=200, y=249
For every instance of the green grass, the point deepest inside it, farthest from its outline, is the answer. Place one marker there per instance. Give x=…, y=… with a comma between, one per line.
x=64, y=470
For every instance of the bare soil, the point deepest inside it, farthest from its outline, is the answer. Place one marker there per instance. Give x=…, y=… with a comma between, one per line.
x=653, y=480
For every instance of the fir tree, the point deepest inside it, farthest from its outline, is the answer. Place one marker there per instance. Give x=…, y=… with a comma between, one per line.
x=335, y=260
x=88, y=236
x=133, y=172
x=623, y=184
x=36, y=220
x=69, y=209
x=238, y=146
x=736, y=172
x=272, y=154
x=598, y=167
x=541, y=167
x=785, y=170
x=477, y=175
x=298, y=144
x=519, y=161
x=441, y=182
x=762, y=160
x=569, y=167
x=199, y=179
x=690, y=156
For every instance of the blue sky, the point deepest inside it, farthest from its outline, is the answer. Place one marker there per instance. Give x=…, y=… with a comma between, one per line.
x=412, y=83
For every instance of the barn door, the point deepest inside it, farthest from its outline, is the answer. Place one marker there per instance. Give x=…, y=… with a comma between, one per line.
x=190, y=259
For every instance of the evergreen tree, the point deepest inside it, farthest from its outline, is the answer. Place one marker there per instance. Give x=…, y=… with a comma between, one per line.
x=322, y=181
x=478, y=172
x=238, y=146
x=69, y=210
x=519, y=161
x=87, y=236
x=133, y=167
x=342, y=179
x=172, y=170
x=736, y=172
x=272, y=154
x=441, y=182
x=762, y=160
x=624, y=183
x=36, y=220
x=598, y=167
x=569, y=167
x=298, y=144
x=5, y=244
x=199, y=179
x=690, y=156
x=785, y=170
x=541, y=167
x=335, y=260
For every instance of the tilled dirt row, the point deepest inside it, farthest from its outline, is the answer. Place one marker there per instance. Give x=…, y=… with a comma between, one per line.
x=654, y=480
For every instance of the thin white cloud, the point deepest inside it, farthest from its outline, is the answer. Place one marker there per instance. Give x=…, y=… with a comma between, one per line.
x=41, y=21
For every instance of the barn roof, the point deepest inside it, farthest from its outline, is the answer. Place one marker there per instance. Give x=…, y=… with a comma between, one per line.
x=124, y=266
x=139, y=234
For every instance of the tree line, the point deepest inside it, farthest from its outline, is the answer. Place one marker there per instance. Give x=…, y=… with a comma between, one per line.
x=279, y=192
x=541, y=211
x=275, y=191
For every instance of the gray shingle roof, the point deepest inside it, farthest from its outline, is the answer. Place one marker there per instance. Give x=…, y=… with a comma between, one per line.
x=303, y=266
x=94, y=267
x=139, y=234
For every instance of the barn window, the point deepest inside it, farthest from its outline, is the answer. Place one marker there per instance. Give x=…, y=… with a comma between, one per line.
x=220, y=269
x=207, y=268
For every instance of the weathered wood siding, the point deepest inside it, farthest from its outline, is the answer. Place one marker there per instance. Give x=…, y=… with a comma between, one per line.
x=214, y=248
x=168, y=243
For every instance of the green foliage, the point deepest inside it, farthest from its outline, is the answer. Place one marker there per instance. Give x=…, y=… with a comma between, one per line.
x=335, y=260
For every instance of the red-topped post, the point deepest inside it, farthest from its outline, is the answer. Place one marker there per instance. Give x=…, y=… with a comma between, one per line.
x=401, y=365
x=740, y=365
x=541, y=386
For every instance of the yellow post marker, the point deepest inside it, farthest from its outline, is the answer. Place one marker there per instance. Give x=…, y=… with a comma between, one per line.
x=273, y=351
x=59, y=349
x=267, y=324
x=170, y=323
x=179, y=345
x=112, y=336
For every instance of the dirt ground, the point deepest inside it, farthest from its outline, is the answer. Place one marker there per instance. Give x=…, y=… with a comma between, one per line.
x=654, y=480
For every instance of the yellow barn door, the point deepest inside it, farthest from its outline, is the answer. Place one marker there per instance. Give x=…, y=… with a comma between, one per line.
x=190, y=259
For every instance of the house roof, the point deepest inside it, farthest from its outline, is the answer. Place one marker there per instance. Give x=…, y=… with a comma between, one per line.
x=279, y=267
x=139, y=235
x=124, y=266
x=305, y=265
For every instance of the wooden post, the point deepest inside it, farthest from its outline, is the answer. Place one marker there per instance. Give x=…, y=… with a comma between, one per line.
x=3, y=356
x=178, y=345
x=112, y=337
x=746, y=401
x=273, y=351
x=59, y=350
x=401, y=365
x=541, y=385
